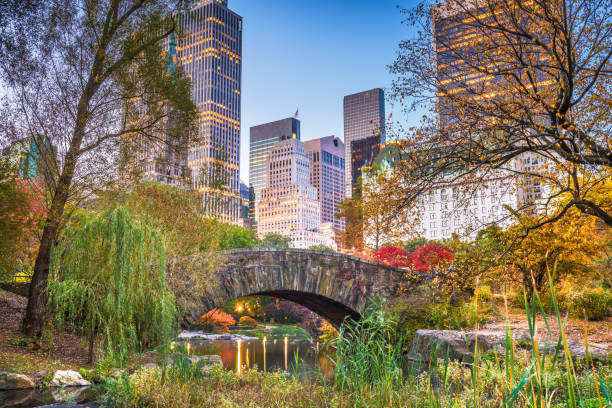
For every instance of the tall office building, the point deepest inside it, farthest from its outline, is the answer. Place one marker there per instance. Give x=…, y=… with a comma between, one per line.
x=364, y=117
x=327, y=165
x=288, y=204
x=262, y=140
x=244, y=205
x=210, y=53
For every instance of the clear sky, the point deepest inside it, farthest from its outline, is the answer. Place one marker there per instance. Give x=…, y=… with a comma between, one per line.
x=308, y=54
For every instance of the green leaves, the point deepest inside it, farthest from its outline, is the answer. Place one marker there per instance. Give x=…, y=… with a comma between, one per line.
x=110, y=279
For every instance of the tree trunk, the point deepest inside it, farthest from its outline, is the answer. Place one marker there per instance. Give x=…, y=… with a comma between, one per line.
x=92, y=338
x=36, y=310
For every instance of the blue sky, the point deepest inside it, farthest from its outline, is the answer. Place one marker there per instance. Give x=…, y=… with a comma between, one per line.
x=308, y=54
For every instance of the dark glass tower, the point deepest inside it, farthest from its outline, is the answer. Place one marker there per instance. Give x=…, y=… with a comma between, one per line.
x=262, y=139
x=364, y=118
x=210, y=53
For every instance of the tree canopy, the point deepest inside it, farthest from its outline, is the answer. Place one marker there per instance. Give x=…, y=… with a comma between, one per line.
x=520, y=89
x=109, y=278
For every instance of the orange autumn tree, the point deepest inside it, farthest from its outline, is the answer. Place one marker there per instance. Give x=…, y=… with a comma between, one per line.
x=572, y=243
x=216, y=317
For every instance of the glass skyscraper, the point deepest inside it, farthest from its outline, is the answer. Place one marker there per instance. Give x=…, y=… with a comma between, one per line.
x=364, y=118
x=262, y=139
x=210, y=52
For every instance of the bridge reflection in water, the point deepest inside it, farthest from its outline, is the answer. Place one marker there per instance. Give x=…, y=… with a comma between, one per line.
x=267, y=355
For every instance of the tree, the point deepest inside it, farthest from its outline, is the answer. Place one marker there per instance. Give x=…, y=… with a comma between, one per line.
x=521, y=87
x=351, y=210
x=383, y=219
x=430, y=256
x=322, y=248
x=394, y=256
x=216, y=317
x=94, y=82
x=275, y=241
x=572, y=243
x=21, y=210
x=109, y=278
x=236, y=237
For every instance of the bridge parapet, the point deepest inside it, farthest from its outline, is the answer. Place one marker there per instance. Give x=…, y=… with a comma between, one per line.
x=333, y=285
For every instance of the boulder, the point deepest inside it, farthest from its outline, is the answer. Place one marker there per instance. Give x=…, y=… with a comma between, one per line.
x=69, y=378
x=597, y=352
x=206, y=360
x=10, y=381
x=459, y=345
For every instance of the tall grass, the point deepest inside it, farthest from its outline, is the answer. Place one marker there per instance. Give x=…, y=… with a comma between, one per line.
x=368, y=359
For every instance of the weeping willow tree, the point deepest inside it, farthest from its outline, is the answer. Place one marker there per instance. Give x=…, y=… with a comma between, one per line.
x=109, y=279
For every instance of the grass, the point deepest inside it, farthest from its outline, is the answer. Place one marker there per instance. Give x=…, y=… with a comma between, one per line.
x=369, y=372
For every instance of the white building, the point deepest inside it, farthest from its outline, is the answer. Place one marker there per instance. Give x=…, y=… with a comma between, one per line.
x=289, y=204
x=327, y=167
x=464, y=207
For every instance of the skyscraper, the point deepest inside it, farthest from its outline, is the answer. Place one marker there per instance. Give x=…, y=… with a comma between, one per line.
x=262, y=140
x=364, y=117
x=289, y=205
x=327, y=165
x=210, y=53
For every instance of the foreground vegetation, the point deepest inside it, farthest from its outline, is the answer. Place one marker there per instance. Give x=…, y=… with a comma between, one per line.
x=371, y=371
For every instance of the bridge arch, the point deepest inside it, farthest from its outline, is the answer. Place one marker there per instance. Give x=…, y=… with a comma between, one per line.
x=333, y=285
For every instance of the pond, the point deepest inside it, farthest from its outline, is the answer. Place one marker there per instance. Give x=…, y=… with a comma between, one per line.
x=296, y=356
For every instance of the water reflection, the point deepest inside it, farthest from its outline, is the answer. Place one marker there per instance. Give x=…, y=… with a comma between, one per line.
x=267, y=354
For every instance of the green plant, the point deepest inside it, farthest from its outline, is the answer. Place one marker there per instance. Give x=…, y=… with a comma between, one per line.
x=289, y=331
x=594, y=304
x=368, y=358
x=21, y=342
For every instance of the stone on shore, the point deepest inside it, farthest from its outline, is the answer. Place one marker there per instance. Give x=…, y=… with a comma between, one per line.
x=460, y=346
x=69, y=378
x=10, y=381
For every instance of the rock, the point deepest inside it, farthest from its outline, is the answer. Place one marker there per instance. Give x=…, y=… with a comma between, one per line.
x=69, y=378
x=459, y=345
x=578, y=350
x=207, y=360
x=10, y=381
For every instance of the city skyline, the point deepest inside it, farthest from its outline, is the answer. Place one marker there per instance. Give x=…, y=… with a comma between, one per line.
x=315, y=73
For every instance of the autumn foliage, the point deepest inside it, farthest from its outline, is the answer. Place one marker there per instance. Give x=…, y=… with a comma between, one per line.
x=394, y=256
x=431, y=254
x=216, y=317
x=422, y=259
x=247, y=321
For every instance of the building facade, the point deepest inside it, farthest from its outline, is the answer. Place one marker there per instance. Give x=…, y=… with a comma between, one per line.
x=364, y=117
x=210, y=53
x=462, y=207
x=244, y=205
x=262, y=139
x=288, y=205
x=327, y=167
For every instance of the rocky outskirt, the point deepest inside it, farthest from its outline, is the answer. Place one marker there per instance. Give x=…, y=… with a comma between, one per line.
x=460, y=346
x=597, y=352
x=10, y=381
x=206, y=360
x=69, y=378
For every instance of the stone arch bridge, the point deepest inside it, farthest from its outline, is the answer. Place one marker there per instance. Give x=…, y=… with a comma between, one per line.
x=333, y=285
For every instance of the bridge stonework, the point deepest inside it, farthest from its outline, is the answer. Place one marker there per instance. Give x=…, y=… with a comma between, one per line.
x=332, y=285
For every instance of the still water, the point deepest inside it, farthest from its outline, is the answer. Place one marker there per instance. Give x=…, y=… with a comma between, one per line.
x=284, y=354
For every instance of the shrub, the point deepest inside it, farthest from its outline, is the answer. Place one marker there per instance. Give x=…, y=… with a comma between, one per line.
x=594, y=304
x=484, y=293
x=289, y=331
x=216, y=317
x=394, y=256
x=431, y=254
x=247, y=321
x=289, y=312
